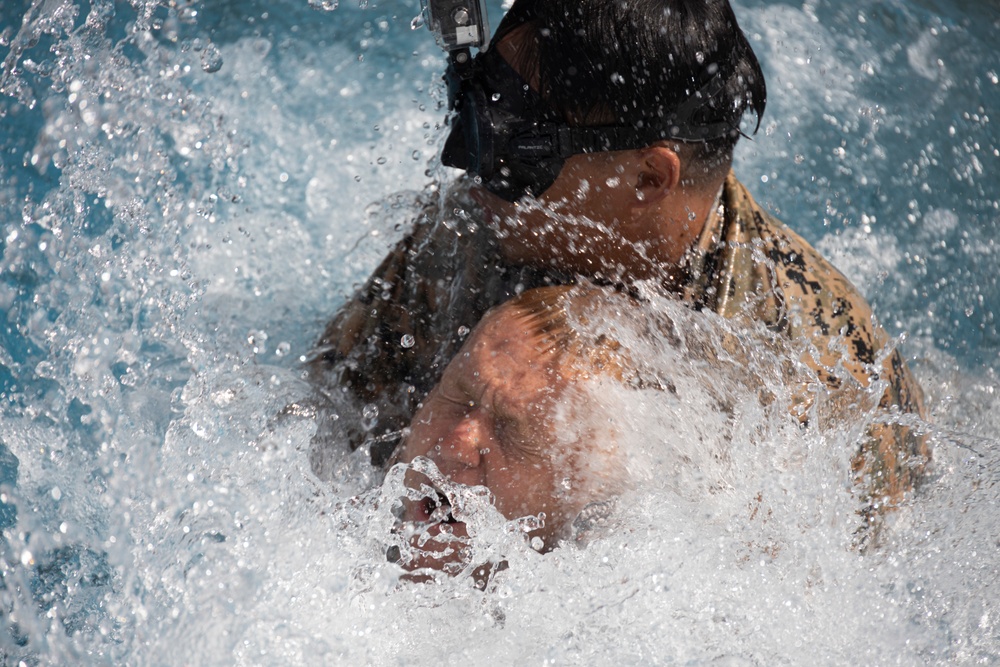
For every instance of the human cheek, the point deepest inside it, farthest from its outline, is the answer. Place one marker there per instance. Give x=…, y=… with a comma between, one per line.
x=416, y=443
x=495, y=211
x=521, y=489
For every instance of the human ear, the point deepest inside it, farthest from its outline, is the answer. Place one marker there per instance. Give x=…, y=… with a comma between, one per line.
x=659, y=172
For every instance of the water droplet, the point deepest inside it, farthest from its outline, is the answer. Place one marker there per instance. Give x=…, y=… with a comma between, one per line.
x=463, y=331
x=407, y=341
x=613, y=182
x=537, y=543
x=495, y=97
x=417, y=23
x=211, y=59
x=188, y=15
x=370, y=415
x=257, y=340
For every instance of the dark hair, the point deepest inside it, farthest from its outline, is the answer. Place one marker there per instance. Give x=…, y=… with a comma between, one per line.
x=630, y=62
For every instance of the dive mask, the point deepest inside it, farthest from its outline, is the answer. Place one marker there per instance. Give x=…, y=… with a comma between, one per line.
x=504, y=133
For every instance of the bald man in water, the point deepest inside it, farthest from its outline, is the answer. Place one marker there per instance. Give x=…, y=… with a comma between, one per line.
x=564, y=397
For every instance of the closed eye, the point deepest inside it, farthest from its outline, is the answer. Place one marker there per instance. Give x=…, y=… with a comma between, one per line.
x=456, y=399
x=516, y=438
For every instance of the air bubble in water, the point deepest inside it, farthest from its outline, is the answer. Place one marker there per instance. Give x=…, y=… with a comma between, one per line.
x=211, y=59
x=417, y=23
x=284, y=347
x=495, y=97
x=407, y=341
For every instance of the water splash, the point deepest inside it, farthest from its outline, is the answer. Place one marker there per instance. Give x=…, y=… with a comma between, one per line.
x=211, y=59
x=156, y=497
x=325, y=5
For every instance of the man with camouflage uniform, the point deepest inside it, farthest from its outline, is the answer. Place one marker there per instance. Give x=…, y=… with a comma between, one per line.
x=601, y=137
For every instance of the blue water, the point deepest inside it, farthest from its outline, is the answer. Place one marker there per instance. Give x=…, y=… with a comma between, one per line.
x=189, y=189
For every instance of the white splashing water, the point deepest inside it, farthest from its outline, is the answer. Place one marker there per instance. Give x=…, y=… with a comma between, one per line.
x=178, y=225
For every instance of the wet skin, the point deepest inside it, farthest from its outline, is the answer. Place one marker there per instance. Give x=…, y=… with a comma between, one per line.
x=498, y=417
x=622, y=215
x=504, y=417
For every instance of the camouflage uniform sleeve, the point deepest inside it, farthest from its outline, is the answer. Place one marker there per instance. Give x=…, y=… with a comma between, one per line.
x=824, y=308
x=365, y=361
x=388, y=345
x=765, y=271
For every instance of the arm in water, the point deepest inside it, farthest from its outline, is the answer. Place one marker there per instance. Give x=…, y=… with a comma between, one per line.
x=750, y=265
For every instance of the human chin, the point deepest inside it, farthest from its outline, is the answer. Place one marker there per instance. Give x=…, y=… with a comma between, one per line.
x=496, y=210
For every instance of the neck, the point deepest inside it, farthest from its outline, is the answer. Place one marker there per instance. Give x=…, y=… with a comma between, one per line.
x=649, y=245
x=658, y=237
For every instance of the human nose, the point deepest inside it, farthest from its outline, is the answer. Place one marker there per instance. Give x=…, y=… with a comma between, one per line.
x=462, y=447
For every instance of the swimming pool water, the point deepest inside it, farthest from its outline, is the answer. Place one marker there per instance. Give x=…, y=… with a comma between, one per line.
x=189, y=189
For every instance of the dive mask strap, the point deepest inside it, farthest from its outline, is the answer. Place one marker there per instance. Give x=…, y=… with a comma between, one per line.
x=538, y=140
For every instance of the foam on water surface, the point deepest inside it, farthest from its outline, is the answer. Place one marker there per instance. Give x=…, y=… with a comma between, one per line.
x=188, y=191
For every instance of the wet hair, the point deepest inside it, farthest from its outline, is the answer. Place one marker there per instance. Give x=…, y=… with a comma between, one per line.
x=632, y=62
x=549, y=314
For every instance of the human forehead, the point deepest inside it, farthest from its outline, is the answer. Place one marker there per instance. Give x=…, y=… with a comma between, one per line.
x=506, y=353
